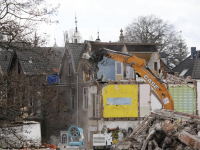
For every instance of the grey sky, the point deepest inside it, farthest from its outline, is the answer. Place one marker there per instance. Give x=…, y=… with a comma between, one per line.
x=112, y=15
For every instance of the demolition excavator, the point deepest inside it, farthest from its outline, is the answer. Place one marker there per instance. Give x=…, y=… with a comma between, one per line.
x=90, y=65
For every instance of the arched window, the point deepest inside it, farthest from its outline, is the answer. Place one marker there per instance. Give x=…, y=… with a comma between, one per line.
x=64, y=138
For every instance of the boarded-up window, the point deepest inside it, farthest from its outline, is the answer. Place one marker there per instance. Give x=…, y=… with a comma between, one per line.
x=184, y=98
x=120, y=101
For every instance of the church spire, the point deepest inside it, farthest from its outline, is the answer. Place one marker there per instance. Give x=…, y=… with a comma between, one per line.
x=76, y=33
x=76, y=30
x=98, y=39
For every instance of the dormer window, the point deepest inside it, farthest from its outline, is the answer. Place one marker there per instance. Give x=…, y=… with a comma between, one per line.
x=183, y=72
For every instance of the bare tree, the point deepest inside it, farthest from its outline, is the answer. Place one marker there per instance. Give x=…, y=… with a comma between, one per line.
x=151, y=29
x=19, y=20
x=24, y=96
x=177, y=51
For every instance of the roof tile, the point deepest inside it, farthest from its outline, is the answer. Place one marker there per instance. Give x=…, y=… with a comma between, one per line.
x=131, y=47
x=76, y=49
x=41, y=59
x=5, y=60
x=188, y=63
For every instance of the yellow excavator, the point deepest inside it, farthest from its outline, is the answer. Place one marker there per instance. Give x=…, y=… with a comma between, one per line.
x=89, y=65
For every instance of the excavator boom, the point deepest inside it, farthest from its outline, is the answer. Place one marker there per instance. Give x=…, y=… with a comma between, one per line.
x=138, y=65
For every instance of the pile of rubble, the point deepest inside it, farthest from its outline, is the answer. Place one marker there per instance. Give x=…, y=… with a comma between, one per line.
x=164, y=130
x=176, y=79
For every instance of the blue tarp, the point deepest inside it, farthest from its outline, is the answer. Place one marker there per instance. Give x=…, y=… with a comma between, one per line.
x=53, y=79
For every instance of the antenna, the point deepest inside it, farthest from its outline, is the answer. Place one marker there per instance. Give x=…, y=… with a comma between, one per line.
x=76, y=23
x=98, y=40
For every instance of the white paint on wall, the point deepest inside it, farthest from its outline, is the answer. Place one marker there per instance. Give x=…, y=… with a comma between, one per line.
x=91, y=90
x=145, y=100
x=155, y=104
x=154, y=58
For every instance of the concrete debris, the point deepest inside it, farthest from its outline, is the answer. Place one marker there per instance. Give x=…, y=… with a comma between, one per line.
x=164, y=130
x=175, y=79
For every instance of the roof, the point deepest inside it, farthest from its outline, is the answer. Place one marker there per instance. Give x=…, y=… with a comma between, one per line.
x=196, y=69
x=75, y=50
x=131, y=47
x=40, y=60
x=167, y=69
x=143, y=51
x=188, y=63
x=5, y=60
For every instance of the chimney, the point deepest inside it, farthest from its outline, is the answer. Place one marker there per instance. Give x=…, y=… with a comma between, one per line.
x=193, y=52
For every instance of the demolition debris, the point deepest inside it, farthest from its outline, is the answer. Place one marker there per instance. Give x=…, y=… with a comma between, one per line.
x=164, y=130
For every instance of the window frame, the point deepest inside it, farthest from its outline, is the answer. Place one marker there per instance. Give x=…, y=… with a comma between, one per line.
x=64, y=139
x=121, y=68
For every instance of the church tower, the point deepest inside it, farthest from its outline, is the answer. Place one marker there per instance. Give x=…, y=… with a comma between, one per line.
x=121, y=37
x=98, y=39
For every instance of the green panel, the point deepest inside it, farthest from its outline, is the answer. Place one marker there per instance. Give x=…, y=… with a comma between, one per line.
x=184, y=99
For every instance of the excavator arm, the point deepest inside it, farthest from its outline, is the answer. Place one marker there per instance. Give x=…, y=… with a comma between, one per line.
x=139, y=66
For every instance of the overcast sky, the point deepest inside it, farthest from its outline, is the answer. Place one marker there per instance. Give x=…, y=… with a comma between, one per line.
x=112, y=15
